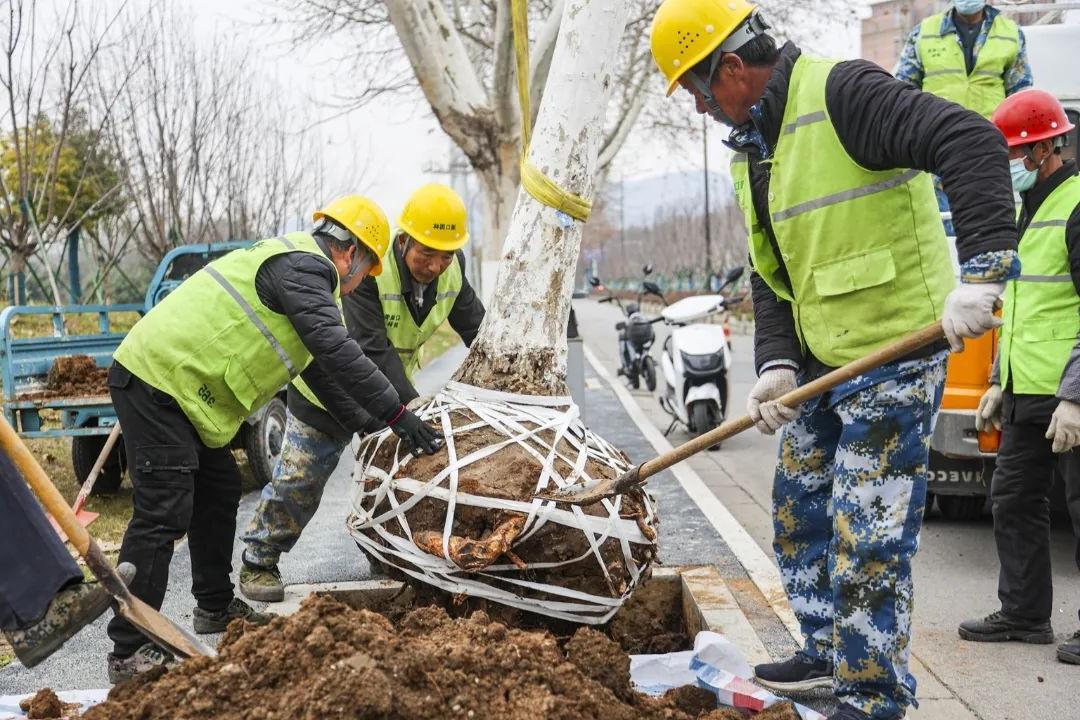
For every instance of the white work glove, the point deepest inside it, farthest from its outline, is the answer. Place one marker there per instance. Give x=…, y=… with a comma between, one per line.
x=767, y=414
x=989, y=412
x=1064, y=428
x=969, y=312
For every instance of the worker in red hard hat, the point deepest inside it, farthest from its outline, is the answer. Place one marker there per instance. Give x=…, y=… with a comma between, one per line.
x=1034, y=398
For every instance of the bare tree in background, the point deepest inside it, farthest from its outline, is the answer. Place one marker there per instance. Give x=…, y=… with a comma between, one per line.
x=52, y=166
x=460, y=55
x=211, y=149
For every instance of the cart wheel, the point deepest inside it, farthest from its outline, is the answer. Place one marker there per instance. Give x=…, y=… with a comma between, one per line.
x=961, y=507
x=263, y=440
x=84, y=453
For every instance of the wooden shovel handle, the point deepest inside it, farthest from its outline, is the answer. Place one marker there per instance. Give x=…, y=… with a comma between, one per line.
x=890, y=353
x=88, y=484
x=46, y=492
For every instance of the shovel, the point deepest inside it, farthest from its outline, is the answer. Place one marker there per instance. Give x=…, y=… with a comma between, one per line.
x=636, y=477
x=85, y=517
x=149, y=621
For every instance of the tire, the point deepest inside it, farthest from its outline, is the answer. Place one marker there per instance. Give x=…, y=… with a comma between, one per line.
x=961, y=507
x=648, y=369
x=703, y=417
x=263, y=440
x=929, y=506
x=84, y=453
x=634, y=378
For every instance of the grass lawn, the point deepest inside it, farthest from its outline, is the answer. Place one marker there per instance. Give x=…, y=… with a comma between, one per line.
x=441, y=340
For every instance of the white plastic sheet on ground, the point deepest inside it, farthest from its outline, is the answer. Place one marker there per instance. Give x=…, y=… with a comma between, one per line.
x=9, y=704
x=549, y=429
x=714, y=664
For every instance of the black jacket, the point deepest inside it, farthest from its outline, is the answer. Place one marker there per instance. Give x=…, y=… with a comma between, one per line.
x=883, y=124
x=364, y=320
x=301, y=286
x=1039, y=408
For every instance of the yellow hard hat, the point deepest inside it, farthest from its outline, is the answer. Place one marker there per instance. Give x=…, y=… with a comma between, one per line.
x=685, y=32
x=434, y=216
x=364, y=219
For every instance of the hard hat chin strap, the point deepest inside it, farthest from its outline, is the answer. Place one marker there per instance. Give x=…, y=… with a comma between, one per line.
x=705, y=90
x=363, y=259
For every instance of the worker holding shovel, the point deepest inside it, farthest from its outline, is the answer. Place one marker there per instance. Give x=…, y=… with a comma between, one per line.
x=392, y=316
x=44, y=600
x=849, y=255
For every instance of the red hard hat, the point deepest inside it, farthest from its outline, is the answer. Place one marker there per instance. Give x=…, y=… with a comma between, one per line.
x=1030, y=116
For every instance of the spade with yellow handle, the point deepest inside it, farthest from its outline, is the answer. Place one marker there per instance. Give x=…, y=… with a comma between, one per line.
x=148, y=620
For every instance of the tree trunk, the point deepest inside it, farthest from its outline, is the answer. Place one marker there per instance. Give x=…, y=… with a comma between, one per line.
x=17, y=283
x=522, y=344
x=500, y=184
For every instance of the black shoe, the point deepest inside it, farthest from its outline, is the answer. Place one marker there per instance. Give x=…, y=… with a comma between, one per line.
x=73, y=608
x=847, y=712
x=801, y=672
x=999, y=627
x=215, y=621
x=1069, y=651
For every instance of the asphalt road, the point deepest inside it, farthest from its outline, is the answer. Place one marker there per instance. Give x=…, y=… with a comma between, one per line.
x=955, y=569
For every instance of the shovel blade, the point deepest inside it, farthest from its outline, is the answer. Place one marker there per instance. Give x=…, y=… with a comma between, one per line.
x=161, y=630
x=85, y=517
x=578, y=495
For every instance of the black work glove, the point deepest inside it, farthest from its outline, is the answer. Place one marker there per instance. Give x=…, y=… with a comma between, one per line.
x=419, y=437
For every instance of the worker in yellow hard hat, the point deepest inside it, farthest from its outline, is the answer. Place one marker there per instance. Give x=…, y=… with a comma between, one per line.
x=205, y=358
x=830, y=169
x=392, y=315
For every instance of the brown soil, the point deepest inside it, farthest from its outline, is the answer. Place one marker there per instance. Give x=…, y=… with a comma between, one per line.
x=330, y=661
x=45, y=705
x=72, y=376
x=512, y=473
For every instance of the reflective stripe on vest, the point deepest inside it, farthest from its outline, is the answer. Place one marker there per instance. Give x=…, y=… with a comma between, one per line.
x=864, y=250
x=1041, y=314
x=945, y=70
x=214, y=347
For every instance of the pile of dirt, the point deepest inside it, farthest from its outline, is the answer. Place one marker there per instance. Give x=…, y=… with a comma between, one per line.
x=45, y=705
x=72, y=376
x=483, y=536
x=330, y=661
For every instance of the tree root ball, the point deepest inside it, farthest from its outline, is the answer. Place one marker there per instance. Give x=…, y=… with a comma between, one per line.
x=500, y=541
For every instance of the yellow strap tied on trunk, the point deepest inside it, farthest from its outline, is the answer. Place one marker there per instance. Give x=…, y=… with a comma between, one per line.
x=535, y=182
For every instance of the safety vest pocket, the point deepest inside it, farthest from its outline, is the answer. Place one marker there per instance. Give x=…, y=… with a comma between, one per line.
x=240, y=383
x=1048, y=330
x=856, y=272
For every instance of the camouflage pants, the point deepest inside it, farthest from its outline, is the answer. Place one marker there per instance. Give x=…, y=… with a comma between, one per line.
x=848, y=501
x=289, y=501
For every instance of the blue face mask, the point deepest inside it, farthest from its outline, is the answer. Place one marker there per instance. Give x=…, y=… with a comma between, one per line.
x=969, y=7
x=1022, y=178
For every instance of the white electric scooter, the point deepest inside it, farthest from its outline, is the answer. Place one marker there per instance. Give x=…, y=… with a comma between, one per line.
x=695, y=360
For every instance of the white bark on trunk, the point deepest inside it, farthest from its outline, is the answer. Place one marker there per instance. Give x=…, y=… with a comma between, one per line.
x=522, y=343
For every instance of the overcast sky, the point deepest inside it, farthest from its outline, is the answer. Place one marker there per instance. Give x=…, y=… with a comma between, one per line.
x=400, y=137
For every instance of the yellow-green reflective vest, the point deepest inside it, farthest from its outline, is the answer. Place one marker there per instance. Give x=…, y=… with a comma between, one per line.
x=1042, y=310
x=402, y=331
x=945, y=72
x=865, y=250
x=213, y=346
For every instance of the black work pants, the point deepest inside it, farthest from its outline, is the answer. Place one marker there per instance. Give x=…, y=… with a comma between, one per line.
x=34, y=564
x=181, y=486
x=1020, y=492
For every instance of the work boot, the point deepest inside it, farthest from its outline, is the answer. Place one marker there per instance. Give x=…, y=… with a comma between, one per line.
x=848, y=712
x=215, y=621
x=72, y=609
x=1069, y=651
x=261, y=583
x=145, y=659
x=801, y=672
x=1000, y=627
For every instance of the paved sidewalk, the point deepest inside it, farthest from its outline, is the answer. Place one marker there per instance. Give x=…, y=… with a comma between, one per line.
x=325, y=552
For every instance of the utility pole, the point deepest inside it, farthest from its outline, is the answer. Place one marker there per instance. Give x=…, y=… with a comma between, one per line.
x=622, y=222
x=708, y=229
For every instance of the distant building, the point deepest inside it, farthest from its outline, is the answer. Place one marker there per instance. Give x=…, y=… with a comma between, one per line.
x=890, y=21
